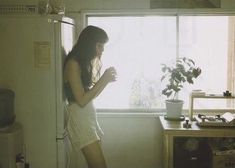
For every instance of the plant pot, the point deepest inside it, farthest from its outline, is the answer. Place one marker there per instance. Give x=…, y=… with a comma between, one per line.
x=174, y=109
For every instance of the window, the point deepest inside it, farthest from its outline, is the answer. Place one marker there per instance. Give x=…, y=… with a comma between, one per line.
x=139, y=44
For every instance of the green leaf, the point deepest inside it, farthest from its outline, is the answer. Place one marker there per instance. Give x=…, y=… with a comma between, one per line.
x=169, y=69
x=189, y=80
x=164, y=69
x=196, y=72
x=182, y=71
x=190, y=60
x=164, y=91
x=163, y=77
x=168, y=94
x=180, y=86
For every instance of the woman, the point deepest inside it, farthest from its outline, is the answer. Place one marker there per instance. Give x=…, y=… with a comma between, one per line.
x=82, y=83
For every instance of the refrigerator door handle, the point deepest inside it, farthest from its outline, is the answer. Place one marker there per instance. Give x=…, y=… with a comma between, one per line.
x=61, y=21
x=62, y=136
x=58, y=139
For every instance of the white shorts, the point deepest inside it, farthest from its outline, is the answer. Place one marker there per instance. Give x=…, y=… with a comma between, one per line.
x=83, y=128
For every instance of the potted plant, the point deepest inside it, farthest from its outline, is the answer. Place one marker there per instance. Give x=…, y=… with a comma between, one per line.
x=183, y=70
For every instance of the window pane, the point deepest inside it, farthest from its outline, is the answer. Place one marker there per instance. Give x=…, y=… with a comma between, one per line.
x=137, y=47
x=205, y=40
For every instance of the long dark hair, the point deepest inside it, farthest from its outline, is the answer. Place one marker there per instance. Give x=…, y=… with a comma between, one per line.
x=84, y=52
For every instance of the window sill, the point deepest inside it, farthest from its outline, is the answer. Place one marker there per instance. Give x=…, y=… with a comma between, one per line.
x=154, y=112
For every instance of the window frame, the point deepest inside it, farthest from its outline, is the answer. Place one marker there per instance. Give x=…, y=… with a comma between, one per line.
x=157, y=12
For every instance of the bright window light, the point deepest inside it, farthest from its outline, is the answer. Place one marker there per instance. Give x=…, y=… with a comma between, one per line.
x=139, y=44
x=205, y=40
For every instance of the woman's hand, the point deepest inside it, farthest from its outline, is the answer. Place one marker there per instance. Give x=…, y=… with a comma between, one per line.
x=109, y=75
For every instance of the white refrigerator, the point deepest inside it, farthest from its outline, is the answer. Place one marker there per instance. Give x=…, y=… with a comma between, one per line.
x=32, y=48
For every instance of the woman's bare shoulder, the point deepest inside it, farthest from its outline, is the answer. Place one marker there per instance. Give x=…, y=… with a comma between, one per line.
x=71, y=67
x=72, y=64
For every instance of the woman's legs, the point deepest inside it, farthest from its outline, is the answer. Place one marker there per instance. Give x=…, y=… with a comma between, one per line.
x=94, y=155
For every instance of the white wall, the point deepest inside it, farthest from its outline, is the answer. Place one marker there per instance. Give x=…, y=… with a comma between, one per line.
x=216, y=2
x=77, y=5
x=129, y=141
x=132, y=141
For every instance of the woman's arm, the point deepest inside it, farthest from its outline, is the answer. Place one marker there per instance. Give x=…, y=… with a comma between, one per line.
x=73, y=75
x=108, y=76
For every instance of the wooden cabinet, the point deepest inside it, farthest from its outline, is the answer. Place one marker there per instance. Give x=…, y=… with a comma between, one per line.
x=175, y=129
